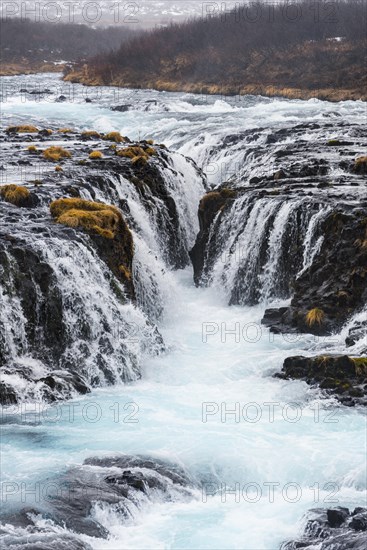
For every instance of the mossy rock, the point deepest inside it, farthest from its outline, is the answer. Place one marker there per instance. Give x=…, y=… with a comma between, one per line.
x=22, y=129
x=99, y=218
x=107, y=228
x=15, y=194
x=56, y=153
x=114, y=136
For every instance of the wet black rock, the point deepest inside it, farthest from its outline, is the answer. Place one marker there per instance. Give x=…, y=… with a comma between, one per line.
x=121, y=108
x=339, y=375
x=335, y=282
x=356, y=333
x=332, y=529
x=210, y=206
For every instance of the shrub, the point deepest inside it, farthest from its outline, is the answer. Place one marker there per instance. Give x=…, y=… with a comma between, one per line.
x=65, y=130
x=23, y=129
x=114, y=136
x=58, y=168
x=56, y=153
x=95, y=217
x=315, y=315
x=90, y=134
x=15, y=194
x=95, y=155
x=32, y=149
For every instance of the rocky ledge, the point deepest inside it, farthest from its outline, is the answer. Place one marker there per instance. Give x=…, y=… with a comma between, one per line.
x=338, y=375
x=333, y=529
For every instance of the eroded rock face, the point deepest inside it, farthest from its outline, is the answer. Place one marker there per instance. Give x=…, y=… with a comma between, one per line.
x=122, y=484
x=335, y=282
x=333, y=529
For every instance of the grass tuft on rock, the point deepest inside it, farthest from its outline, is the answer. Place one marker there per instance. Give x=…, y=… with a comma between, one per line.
x=90, y=134
x=114, y=136
x=56, y=153
x=15, y=194
x=315, y=316
x=95, y=155
x=136, y=153
x=96, y=217
x=360, y=165
x=22, y=129
x=32, y=149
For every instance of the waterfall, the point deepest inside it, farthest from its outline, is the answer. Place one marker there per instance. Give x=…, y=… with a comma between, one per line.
x=258, y=245
x=68, y=324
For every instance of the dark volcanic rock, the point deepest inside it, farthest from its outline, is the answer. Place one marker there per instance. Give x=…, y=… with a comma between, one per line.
x=121, y=108
x=339, y=375
x=210, y=206
x=336, y=280
x=333, y=529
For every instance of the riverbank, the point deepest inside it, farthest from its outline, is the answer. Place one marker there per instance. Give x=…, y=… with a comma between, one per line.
x=226, y=90
x=27, y=67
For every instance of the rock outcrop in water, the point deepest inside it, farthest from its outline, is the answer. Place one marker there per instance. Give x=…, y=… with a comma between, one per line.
x=333, y=529
x=80, y=286
x=339, y=375
x=121, y=484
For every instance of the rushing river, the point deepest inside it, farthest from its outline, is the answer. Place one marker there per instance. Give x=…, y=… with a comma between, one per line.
x=265, y=450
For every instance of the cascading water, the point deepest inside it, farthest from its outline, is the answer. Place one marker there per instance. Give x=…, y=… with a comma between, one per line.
x=260, y=244
x=254, y=452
